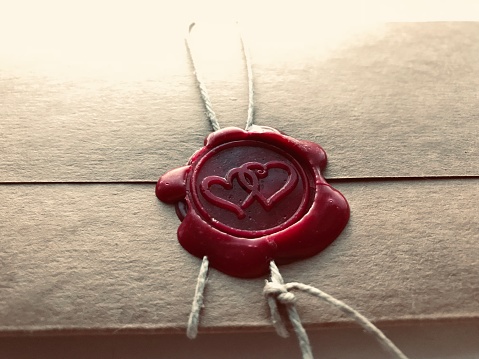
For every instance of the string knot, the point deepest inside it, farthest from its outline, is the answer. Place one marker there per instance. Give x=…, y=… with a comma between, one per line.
x=279, y=291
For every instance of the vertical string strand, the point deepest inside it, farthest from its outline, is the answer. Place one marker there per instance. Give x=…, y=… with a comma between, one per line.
x=288, y=299
x=194, y=319
x=249, y=72
x=276, y=319
x=201, y=85
x=210, y=113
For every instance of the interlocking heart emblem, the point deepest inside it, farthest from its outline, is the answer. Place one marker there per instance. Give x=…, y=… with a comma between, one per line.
x=248, y=177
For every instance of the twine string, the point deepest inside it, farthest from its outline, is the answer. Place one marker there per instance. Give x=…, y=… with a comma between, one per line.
x=193, y=320
x=197, y=305
x=274, y=291
x=281, y=292
x=249, y=73
x=210, y=113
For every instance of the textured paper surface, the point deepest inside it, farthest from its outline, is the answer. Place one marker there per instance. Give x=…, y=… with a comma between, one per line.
x=398, y=102
x=106, y=257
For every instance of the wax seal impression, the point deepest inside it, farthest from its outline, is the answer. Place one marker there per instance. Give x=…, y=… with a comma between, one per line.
x=249, y=197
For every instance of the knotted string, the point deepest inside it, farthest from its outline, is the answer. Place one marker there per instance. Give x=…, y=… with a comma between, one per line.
x=277, y=291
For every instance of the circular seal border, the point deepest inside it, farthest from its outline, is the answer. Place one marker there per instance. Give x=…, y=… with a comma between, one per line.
x=297, y=215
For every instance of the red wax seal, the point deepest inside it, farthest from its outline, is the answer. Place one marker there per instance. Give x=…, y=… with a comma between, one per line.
x=249, y=197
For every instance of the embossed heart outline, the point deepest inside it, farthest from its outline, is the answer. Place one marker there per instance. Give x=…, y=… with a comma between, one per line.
x=248, y=176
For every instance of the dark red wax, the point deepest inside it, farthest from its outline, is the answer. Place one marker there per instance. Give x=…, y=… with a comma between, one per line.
x=249, y=197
